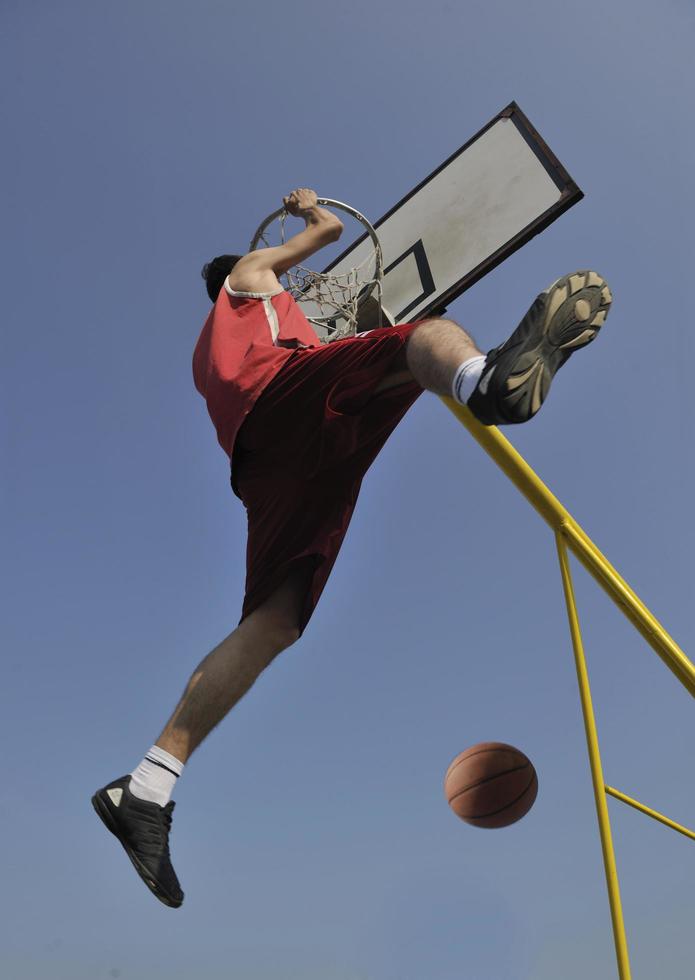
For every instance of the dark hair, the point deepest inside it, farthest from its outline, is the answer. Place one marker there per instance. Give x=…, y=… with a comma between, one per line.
x=216, y=271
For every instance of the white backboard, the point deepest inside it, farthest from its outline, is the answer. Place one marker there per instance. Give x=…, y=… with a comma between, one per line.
x=487, y=200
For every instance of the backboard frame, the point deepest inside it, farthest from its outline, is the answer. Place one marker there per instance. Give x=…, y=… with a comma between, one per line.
x=570, y=194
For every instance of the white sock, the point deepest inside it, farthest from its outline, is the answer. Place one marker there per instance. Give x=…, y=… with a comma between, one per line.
x=467, y=377
x=155, y=777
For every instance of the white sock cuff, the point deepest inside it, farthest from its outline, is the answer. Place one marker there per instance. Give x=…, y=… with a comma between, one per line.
x=170, y=762
x=467, y=377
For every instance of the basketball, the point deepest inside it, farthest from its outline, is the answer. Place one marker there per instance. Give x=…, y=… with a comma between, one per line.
x=491, y=785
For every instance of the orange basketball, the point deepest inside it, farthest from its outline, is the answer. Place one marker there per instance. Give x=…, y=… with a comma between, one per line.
x=491, y=785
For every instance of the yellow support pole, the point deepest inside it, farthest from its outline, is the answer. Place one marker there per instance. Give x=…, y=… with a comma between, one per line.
x=568, y=534
x=596, y=768
x=650, y=813
x=560, y=520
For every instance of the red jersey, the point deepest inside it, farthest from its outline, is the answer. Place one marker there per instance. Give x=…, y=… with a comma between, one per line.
x=245, y=341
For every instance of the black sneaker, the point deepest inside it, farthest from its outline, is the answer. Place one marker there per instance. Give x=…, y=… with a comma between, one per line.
x=516, y=377
x=143, y=830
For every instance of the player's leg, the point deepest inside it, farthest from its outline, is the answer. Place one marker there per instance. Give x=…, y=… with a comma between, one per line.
x=435, y=351
x=227, y=673
x=432, y=354
x=511, y=382
x=136, y=808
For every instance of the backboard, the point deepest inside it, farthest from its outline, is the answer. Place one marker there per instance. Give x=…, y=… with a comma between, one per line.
x=488, y=199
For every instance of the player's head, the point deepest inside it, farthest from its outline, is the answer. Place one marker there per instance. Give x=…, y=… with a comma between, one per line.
x=216, y=271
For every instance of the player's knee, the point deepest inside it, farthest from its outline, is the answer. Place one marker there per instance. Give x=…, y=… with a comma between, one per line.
x=285, y=635
x=278, y=620
x=279, y=631
x=436, y=327
x=430, y=335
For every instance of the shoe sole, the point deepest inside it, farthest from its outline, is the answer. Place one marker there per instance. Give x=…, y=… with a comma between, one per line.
x=575, y=309
x=106, y=818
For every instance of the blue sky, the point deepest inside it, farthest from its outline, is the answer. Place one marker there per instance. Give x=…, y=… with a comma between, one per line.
x=311, y=834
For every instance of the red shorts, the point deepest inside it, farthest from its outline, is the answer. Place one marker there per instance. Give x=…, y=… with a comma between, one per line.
x=303, y=451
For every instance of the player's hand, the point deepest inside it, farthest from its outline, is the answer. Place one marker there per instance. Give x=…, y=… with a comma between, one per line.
x=300, y=201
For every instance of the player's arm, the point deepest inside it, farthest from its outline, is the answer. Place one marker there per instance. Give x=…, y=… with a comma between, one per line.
x=258, y=271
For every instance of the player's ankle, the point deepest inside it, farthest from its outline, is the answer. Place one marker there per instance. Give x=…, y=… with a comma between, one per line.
x=466, y=378
x=154, y=779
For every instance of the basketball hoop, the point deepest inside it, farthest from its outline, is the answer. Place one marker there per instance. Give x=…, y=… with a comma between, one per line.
x=333, y=302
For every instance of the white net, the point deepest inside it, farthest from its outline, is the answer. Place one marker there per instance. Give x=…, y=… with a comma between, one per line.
x=333, y=301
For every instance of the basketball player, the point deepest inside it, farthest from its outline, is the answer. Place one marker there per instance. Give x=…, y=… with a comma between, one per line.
x=302, y=422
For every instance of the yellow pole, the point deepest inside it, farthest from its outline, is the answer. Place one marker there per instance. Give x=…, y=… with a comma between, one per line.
x=596, y=768
x=650, y=813
x=552, y=511
x=635, y=610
